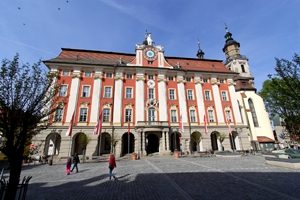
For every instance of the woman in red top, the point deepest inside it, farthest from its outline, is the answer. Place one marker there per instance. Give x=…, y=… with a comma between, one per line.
x=111, y=165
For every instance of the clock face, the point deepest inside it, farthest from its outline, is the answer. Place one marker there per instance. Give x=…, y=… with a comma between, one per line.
x=151, y=83
x=150, y=54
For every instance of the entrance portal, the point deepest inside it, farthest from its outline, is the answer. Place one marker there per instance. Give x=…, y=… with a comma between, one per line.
x=214, y=141
x=175, y=141
x=127, y=147
x=153, y=143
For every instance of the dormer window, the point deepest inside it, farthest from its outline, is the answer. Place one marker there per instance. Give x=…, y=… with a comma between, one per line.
x=243, y=68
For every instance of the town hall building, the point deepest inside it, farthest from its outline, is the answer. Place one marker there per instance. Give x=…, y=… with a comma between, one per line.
x=149, y=103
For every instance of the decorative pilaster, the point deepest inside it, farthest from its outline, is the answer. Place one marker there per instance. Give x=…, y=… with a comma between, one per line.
x=139, y=97
x=182, y=98
x=162, y=97
x=118, y=98
x=95, y=110
x=217, y=100
x=199, y=98
x=73, y=94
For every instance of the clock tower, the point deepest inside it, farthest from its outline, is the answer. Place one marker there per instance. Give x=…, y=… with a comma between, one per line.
x=150, y=55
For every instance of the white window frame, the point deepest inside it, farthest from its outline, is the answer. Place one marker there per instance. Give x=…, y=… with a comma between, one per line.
x=172, y=96
x=128, y=95
x=207, y=92
x=83, y=116
x=85, y=93
x=106, y=115
x=65, y=92
x=108, y=74
x=190, y=95
x=224, y=98
x=58, y=116
x=173, y=115
x=128, y=114
x=211, y=115
x=88, y=74
x=151, y=115
x=228, y=115
x=129, y=76
x=105, y=92
x=65, y=73
x=150, y=77
x=151, y=95
x=193, y=117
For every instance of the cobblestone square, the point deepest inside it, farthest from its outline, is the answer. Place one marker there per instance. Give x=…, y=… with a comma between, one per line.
x=166, y=178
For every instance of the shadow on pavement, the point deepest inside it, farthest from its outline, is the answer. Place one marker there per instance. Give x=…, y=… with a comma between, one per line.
x=202, y=185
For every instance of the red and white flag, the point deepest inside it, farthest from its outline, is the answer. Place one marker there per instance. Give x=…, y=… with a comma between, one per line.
x=181, y=125
x=98, y=127
x=205, y=124
x=69, y=131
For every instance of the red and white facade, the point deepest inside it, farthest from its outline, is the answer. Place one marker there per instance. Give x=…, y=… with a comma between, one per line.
x=151, y=103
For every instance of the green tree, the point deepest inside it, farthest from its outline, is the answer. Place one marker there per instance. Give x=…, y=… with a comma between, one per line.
x=281, y=93
x=26, y=93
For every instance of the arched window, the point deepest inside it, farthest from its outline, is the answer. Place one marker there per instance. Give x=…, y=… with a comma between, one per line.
x=254, y=116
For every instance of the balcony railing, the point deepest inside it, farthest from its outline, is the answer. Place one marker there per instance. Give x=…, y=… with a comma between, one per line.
x=153, y=123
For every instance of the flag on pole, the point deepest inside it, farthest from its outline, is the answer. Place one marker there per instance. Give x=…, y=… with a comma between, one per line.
x=69, y=131
x=205, y=124
x=181, y=124
x=128, y=127
x=98, y=127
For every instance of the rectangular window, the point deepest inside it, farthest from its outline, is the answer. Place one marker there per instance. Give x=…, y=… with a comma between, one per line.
x=87, y=74
x=106, y=114
x=150, y=77
x=171, y=94
x=58, y=115
x=107, y=92
x=128, y=115
x=151, y=114
x=190, y=94
x=128, y=76
x=224, y=96
x=211, y=116
x=63, y=90
x=65, y=72
x=228, y=115
x=170, y=78
x=83, y=115
x=128, y=93
x=86, y=91
x=193, y=115
x=188, y=79
x=173, y=116
x=222, y=80
x=151, y=93
x=108, y=75
x=205, y=80
x=207, y=95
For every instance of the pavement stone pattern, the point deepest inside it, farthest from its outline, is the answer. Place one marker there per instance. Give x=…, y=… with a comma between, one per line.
x=164, y=178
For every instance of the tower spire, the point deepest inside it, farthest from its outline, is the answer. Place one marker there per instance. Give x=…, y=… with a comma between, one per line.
x=200, y=54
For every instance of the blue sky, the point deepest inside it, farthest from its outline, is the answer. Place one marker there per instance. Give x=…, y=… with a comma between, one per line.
x=38, y=29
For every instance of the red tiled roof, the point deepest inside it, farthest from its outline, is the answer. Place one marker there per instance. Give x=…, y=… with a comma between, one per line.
x=111, y=58
x=264, y=139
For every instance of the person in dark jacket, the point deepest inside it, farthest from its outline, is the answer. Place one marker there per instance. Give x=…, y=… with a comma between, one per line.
x=75, y=162
x=111, y=165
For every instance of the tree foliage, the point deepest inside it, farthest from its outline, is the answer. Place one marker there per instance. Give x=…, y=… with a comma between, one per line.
x=281, y=93
x=26, y=93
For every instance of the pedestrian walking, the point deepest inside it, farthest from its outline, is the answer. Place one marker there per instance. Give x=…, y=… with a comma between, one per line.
x=111, y=165
x=75, y=162
x=68, y=166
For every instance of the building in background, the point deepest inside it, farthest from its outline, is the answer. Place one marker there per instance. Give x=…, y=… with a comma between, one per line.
x=151, y=103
